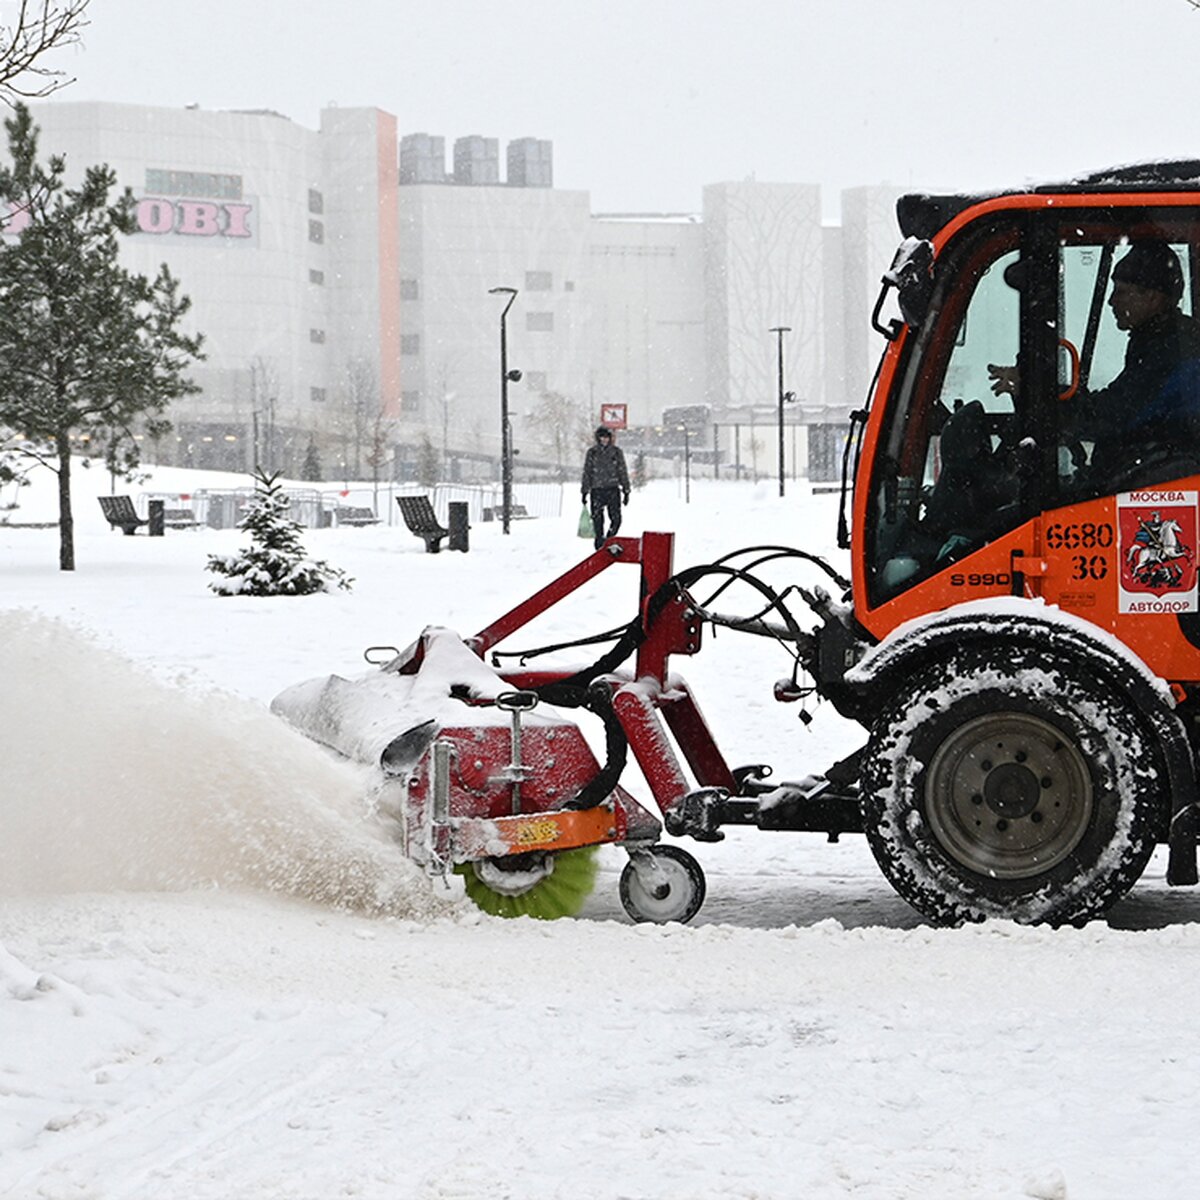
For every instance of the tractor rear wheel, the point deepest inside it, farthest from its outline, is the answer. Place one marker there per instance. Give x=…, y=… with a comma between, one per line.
x=1001, y=781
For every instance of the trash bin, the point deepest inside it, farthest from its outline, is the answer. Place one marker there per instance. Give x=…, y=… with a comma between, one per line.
x=156, y=512
x=459, y=526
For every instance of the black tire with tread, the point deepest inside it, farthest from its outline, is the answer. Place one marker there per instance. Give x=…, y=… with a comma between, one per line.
x=961, y=826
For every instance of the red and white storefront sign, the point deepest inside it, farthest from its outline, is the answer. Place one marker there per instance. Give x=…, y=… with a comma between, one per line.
x=1157, y=534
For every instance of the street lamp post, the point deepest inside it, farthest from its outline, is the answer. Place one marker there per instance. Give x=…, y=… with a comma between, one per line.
x=783, y=396
x=446, y=398
x=687, y=465
x=506, y=464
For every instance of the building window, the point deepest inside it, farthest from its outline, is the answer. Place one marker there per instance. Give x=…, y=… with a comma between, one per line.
x=316, y=395
x=535, y=381
x=410, y=289
x=317, y=277
x=161, y=182
x=410, y=402
x=316, y=232
x=638, y=251
x=538, y=281
x=317, y=335
x=410, y=343
x=316, y=202
x=539, y=322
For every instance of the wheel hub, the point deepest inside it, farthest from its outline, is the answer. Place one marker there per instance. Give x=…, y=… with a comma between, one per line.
x=1011, y=790
x=1008, y=796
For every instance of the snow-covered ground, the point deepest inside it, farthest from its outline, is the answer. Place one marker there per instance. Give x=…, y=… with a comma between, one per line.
x=219, y=979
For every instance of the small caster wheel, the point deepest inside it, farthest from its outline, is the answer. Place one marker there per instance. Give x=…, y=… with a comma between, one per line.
x=661, y=885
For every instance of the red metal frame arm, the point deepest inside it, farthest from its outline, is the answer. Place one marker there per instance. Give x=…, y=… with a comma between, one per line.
x=616, y=550
x=693, y=736
x=655, y=755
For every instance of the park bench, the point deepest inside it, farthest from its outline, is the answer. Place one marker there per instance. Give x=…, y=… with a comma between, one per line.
x=517, y=512
x=421, y=520
x=348, y=515
x=120, y=514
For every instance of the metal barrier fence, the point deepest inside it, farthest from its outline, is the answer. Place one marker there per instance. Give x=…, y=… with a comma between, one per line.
x=223, y=508
x=485, y=500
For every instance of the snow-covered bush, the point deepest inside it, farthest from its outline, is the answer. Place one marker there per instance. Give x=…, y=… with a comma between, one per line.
x=14, y=467
x=276, y=563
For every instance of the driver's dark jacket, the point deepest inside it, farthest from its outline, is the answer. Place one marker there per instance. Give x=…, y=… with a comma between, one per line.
x=1152, y=408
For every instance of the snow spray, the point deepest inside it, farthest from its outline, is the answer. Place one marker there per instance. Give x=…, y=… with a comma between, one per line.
x=111, y=780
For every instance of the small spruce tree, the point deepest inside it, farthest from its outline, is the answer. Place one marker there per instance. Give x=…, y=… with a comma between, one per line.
x=428, y=467
x=275, y=563
x=15, y=471
x=310, y=470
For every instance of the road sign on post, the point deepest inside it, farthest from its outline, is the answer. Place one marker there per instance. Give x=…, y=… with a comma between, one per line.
x=614, y=416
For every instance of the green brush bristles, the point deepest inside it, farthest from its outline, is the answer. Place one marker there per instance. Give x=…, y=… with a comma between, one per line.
x=560, y=894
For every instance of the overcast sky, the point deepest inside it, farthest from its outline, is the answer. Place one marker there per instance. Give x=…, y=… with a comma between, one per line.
x=648, y=100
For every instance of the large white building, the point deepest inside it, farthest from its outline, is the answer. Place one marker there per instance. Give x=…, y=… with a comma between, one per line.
x=343, y=279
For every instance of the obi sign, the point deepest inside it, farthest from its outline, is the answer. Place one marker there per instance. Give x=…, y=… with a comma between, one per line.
x=1156, y=538
x=194, y=218
x=166, y=216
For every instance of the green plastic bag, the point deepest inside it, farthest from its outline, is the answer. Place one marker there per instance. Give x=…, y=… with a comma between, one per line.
x=586, y=528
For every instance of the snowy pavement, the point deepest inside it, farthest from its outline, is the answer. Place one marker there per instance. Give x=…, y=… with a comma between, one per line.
x=218, y=977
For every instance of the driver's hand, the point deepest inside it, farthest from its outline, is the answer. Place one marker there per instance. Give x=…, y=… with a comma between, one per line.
x=1004, y=379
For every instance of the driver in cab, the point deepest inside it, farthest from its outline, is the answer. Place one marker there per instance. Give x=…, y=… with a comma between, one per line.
x=1151, y=410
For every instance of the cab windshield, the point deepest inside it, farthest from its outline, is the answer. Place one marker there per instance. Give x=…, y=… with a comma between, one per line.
x=946, y=479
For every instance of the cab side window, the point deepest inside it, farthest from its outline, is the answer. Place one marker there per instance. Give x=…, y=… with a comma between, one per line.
x=1131, y=416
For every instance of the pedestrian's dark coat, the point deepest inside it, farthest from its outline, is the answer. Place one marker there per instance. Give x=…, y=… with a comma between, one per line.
x=604, y=467
x=606, y=482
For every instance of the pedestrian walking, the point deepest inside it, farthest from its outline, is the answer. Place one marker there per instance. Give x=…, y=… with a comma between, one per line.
x=606, y=481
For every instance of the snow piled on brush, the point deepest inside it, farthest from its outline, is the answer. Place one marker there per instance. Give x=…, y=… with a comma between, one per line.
x=358, y=717
x=218, y=977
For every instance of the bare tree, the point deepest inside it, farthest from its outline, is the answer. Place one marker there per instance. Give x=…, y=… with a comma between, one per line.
x=264, y=400
x=37, y=27
x=442, y=376
x=383, y=433
x=362, y=407
x=563, y=426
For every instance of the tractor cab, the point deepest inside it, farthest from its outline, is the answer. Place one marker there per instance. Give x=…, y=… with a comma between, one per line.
x=1026, y=414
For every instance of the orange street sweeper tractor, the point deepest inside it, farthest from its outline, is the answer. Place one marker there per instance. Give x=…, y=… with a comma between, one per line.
x=1019, y=639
